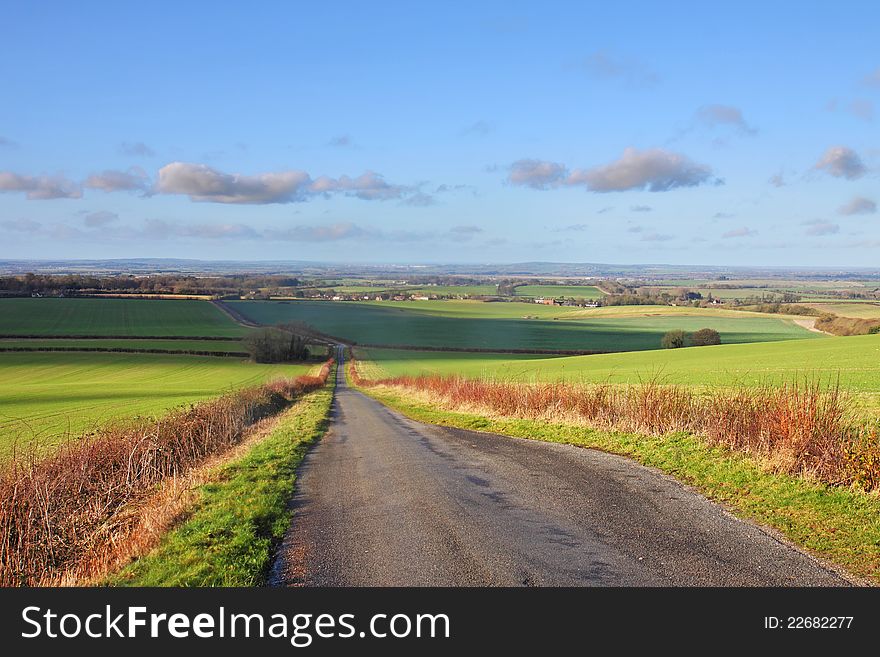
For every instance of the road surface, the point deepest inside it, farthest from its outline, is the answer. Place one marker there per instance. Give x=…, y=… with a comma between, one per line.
x=386, y=501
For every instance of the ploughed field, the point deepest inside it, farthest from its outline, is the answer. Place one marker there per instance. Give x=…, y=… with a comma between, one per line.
x=46, y=396
x=511, y=325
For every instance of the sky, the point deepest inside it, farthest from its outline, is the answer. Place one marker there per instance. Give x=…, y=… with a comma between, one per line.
x=458, y=132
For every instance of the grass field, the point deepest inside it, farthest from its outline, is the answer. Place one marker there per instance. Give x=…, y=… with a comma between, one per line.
x=862, y=310
x=502, y=326
x=43, y=396
x=113, y=343
x=575, y=291
x=855, y=359
x=452, y=290
x=115, y=317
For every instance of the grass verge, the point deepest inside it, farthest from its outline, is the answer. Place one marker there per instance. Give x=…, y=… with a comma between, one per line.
x=838, y=524
x=239, y=516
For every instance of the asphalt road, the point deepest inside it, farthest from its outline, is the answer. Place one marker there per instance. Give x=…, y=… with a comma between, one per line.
x=386, y=501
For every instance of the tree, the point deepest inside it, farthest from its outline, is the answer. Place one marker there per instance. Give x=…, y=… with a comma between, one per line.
x=674, y=340
x=276, y=345
x=705, y=337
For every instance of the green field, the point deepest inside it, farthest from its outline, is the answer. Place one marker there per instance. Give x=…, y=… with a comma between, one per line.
x=863, y=310
x=855, y=359
x=555, y=291
x=46, y=395
x=507, y=325
x=455, y=290
x=115, y=317
x=226, y=346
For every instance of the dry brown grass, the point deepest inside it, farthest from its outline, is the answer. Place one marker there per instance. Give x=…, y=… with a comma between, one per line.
x=800, y=428
x=64, y=517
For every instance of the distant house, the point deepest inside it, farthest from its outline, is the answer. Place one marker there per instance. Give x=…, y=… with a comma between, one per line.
x=422, y=298
x=544, y=302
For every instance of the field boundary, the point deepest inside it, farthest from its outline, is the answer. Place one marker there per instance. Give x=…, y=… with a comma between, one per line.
x=127, y=350
x=234, y=315
x=484, y=350
x=77, y=336
x=186, y=529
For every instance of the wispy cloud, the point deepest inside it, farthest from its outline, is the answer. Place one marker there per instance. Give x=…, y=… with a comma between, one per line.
x=132, y=180
x=819, y=227
x=640, y=208
x=420, y=200
x=777, y=180
x=842, y=162
x=873, y=78
x=22, y=225
x=858, y=205
x=537, y=174
x=342, y=141
x=136, y=149
x=743, y=231
x=724, y=115
x=7, y=143
x=604, y=65
x=572, y=228
x=657, y=237
x=477, y=128
x=39, y=187
x=101, y=218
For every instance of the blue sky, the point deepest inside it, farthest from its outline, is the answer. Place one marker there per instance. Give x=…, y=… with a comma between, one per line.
x=683, y=133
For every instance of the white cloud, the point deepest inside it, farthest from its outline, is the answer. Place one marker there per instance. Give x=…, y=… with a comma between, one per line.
x=202, y=183
x=537, y=174
x=842, y=162
x=656, y=170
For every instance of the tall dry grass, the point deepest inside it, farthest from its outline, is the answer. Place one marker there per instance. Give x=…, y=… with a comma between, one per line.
x=62, y=513
x=800, y=428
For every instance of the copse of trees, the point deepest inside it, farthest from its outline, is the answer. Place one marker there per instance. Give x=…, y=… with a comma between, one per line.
x=677, y=339
x=276, y=345
x=705, y=337
x=674, y=340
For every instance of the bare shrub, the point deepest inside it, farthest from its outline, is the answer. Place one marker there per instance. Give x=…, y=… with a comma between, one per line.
x=800, y=428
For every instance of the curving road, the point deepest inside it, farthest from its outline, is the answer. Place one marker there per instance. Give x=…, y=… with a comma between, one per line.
x=386, y=501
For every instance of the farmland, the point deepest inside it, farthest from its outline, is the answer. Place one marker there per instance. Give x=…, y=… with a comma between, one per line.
x=862, y=310
x=554, y=291
x=115, y=317
x=46, y=395
x=855, y=359
x=120, y=344
x=503, y=326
